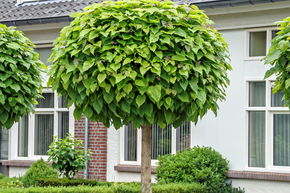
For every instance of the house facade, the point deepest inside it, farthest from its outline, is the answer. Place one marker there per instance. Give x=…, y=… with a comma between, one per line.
x=252, y=129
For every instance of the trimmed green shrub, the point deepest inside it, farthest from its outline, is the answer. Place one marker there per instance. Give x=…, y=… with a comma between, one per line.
x=39, y=169
x=6, y=182
x=70, y=182
x=197, y=165
x=78, y=189
x=68, y=155
x=228, y=188
x=179, y=188
x=115, y=188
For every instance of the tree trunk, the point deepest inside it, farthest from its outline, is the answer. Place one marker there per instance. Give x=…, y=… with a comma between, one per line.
x=146, y=159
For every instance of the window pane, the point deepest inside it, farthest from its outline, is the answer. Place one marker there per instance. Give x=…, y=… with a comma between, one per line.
x=4, y=138
x=274, y=33
x=44, y=54
x=258, y=43
x=43, y=133
x=62, y=102
x=183, y=137
x=63, y=124
x=130, y=149
x=257, y=139
x=161, y=141
x=282, y=140
x=23, y=137
x=47, y=101
x=257, y=94
x=277, y=99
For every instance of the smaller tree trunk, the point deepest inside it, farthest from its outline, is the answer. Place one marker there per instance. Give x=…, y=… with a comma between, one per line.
x=146, y=159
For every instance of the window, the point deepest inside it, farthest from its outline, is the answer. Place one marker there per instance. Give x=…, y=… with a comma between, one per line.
x=4, y=134
x=259, y=41
x=164, y=141
x=268, y=127
x=44, y=54
x=51, y=118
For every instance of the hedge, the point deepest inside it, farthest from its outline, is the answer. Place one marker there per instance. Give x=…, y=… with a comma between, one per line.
x=115, y=188
x=43, y=182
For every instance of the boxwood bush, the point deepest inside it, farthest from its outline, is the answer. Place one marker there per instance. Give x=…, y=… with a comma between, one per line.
x=201, y=165
x=37, y=170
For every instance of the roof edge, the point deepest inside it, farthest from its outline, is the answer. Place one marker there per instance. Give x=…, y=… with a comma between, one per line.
x=37, y=21
x=230, y=3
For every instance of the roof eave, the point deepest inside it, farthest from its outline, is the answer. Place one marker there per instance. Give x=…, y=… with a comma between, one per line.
x=231, y=3
x=37, y=21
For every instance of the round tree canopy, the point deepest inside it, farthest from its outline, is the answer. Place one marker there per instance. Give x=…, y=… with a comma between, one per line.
x=140, y=62
x=20, y=80
x=279, y=57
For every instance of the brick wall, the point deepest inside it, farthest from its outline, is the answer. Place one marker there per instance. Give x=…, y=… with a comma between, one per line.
x=97, y=167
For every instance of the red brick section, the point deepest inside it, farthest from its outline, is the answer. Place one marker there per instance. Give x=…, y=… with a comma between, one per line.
x=97, y=167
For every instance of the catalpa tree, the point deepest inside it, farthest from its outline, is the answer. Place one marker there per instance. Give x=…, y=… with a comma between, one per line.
x=279, y=57
x=20, y=80
x=141, y=62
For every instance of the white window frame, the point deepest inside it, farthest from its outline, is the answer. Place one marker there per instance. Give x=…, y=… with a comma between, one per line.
x=139, y=139
x=269, y=112
x=247, y=42
x=31, y=127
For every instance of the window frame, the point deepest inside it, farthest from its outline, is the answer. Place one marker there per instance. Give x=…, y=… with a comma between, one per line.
x=31, y=127
x=139, y=139
x=269, y=129
x=247, y=42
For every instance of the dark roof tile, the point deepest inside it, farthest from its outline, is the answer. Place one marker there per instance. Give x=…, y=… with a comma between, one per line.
x=11, y=11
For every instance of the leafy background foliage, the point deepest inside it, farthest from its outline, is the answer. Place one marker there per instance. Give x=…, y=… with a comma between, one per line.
x=20, y=81
x=279, y=57
x=140, y=62
x=68, y=155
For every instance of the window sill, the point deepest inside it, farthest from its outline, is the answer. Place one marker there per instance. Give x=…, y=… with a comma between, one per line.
x=17, y=163
x=272, y=176
x=132, y=168
x=233, y=174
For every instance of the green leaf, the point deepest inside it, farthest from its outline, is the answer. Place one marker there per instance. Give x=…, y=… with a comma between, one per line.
x=127, y=60
x=3, y=117
x=87, y=65
x=15, y=87
x=148, y=109
x=179, y=58
x=180, y=32
x=183, y=97
x=101, y=77
x=201, y=95
x=88, y=112
x=140, y=83
x=126, y=107
x=98, y=105
x=119, y=78
x=140, y=99
x=109, y=97
x=159, y=54
x=110, y=56
x=77, y=113
x=155, y=92
x=128, y=88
